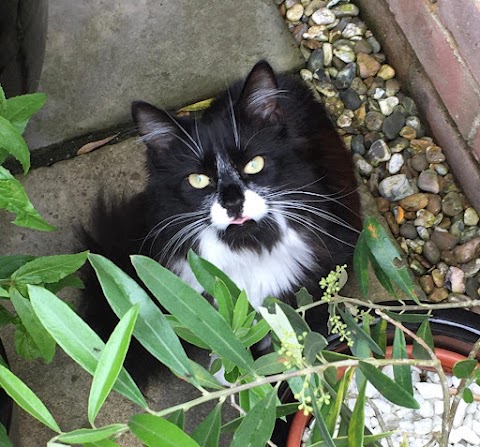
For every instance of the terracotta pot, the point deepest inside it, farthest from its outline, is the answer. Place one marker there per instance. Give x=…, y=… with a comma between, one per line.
x=300, y=421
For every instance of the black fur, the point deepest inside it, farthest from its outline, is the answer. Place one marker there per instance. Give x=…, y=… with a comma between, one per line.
x=275, y=116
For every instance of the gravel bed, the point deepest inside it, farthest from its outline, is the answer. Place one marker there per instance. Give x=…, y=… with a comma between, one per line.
x=404, y=169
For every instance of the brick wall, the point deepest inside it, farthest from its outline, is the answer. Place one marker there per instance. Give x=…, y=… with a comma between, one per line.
x=434, y=46
x=445, y=36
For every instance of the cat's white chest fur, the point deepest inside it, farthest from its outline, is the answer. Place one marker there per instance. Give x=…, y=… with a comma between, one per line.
x=260, y=275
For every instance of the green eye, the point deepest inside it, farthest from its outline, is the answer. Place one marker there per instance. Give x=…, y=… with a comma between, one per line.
x=199, y=181
x=255, y=165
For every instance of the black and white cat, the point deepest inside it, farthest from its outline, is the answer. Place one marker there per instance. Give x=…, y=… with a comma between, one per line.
x=260, y=185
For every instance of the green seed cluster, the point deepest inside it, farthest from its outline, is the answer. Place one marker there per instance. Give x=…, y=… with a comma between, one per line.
x=331, y=283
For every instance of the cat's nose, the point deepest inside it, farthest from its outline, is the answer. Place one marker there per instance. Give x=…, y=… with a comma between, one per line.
x=232, y=198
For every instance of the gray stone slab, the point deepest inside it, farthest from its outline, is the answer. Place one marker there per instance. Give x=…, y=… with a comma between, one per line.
x=101, y=55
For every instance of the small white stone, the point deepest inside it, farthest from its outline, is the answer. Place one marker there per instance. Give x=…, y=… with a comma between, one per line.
x=373, y=422
x=429, y=390
x=371, y=391
x=383, y=406
x=369, y=411
x=426, y=410
x=455, y=435
x=379, y=93
x=306, y=75
x=327, y=54
x=468, y=421
x=422, y=427
x=469, y=435
x=438, y=407
x=460, y=414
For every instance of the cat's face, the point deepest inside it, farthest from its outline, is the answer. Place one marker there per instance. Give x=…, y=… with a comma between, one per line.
x=239, y=171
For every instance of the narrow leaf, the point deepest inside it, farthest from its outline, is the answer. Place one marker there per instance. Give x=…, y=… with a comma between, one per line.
x=387, y=387
x=4, y=439
x=320, y=424
x=110, y=363
x=240, y=311
x=360, y=264
x=356, y=427
x=155, y=432
x=257, y=426
x=424, y=332
x=224, y=300
x=303, y=297
x=407, y=318
x=382, y=277
x=313, y=345
x=152, y=329
x=207, y=433
x=389, y=258
x=401, y=373
x=26, y=398
x=255, y=334
x=9, y=264
x=49, y=269
x=190, y=308
x=177, y=418
x=77, y=339
x=271, y=363
x=102, y=443
x=84, y=435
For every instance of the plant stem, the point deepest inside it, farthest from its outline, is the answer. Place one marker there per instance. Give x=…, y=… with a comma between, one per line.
x=288, y=375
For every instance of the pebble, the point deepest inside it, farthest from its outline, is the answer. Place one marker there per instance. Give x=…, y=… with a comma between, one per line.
x=397, y=187
x=452, y=204
x=414, y=202
x=434, y=154
x=439, y=294
x=408, y=132
x=393, y=124
x=295, y=13
x=386, y=72
x=398, y=144
x=316, y=60
x=387, y=106
x=428, y=181
x=346, y=10
x=408, y=231
x=467, y=252
x=374, y=121
x=344, y=53
x=378, y=152
x=351, y=99
x=434, y=204
x=424, y=219
x=357, y=145
x=470, y=217
x=367, y=65
x=323, y=16
x=444, y=239
x=364, y=168
x=395, y=164
x=431, y=252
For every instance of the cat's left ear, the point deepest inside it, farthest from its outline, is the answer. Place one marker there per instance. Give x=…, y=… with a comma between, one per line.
x=154, y=125
x=259, y=97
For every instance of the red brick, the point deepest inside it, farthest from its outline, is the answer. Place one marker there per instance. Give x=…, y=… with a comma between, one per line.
x=452, y=80
x=462, y=19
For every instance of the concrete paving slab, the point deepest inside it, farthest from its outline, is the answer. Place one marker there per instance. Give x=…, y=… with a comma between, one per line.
x=101, y=55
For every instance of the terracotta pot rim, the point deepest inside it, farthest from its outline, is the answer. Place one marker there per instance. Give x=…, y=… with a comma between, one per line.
x=300, y=421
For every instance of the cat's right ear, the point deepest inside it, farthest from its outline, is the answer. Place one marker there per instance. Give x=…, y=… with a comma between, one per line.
x=154, y=125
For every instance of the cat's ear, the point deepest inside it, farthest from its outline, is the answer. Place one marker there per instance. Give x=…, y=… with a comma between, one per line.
x=259, y=97
x=154, y=125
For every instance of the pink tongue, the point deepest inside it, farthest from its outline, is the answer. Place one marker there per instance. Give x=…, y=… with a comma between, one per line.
x=240, y=220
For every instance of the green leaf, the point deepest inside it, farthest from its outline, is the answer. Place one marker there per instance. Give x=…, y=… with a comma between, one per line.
x=359, y=332
x=303, y=297
x=356, y=428
x=84, y=435
x=110, y=363
x=389, y=258
x=313, y=344
x=255, y=334
x=155, y=432
x=3, y=103
x=207, y=433
x=203, y=377
x=334, y=413
x=72, y=281
x=424, y=332
x=320, y=424
x=4, y=439
x=3, y=294
x=13, y=198
x=269, y=364
x=177, y=418
x=257, y=426
x=44, y=343
x=299, y=325
x=26, y=398
x=5, y=316
x=467, y=395
x=206, y=274
x=383, y=279
x=49, y=269
x=360, y=264
x=184, y=333
x=77, y=339
x=240, y=311
x=102, y=443
x=21, y=108
x=224, y=300
x=407, y=318
x=401, y=373
x=152, y=329
x=192, y=310
x=464, y=368
x=387, y=387
x=9, y=264
x=12, y=141
x=25, y=346
x=379, y=334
